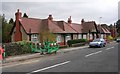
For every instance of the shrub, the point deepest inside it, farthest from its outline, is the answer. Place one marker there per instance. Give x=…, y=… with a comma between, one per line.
x=109, y=38
x=70, y=42
x=17, y=48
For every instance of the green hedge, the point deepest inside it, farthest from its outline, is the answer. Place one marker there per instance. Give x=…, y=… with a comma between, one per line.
x=17, y=48
x=70, y=42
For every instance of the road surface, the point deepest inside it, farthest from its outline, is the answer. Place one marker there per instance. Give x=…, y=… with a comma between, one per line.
x=83, y=60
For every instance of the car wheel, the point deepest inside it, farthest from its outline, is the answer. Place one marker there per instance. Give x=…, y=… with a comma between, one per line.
x=90, y=46
x=104, y=45
x=100, y=45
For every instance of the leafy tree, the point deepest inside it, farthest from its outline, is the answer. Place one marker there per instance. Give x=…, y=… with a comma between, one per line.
x=110, y=26
x=118, y=26
x=47, y=36
x=11, y=21
x=6, y=29
x=25, y=15
x=0, y=29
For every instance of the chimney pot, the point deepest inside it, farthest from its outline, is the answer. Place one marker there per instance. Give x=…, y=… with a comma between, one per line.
x=50, y=17
x=18, y=10
x=69, y=20
x=82, y=21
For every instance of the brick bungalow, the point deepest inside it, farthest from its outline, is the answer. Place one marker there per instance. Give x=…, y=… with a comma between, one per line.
x=104, y=31
x=30, y=28
x=89, y=30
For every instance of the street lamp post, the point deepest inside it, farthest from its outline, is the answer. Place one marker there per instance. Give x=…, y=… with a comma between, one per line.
x=100, y=26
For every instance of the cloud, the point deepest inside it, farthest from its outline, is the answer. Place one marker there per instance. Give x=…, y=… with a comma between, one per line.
x=89, y=10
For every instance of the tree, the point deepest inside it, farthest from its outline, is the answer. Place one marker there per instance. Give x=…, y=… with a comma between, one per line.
x=6, y=29
x=11, y=21
x=47, y=36
x=25, y=15
x=110, y=26
x=118, y=26
x=0, y=29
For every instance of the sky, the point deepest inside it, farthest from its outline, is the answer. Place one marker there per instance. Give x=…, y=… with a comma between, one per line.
x=90, y=10
x=119, y=10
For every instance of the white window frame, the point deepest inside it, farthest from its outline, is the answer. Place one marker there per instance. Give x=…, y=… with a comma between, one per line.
x=79, y=36
x=84, y=36
x=34, y=38
x=68, y=37
x=58, y=39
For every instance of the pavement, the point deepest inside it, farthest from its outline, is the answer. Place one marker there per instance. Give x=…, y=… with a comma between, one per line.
x=37, y=55
x=23, y=57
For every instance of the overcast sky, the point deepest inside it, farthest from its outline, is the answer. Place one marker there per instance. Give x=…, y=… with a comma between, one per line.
x=90, y=10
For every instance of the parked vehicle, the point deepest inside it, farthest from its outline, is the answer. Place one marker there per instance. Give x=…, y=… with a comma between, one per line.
x=99, y=42
x=118, y=40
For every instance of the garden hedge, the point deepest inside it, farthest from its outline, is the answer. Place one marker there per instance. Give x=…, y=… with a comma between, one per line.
x=70, y=42
x=17, y=48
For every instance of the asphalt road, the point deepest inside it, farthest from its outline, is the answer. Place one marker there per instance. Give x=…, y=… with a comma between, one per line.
x=84, y=60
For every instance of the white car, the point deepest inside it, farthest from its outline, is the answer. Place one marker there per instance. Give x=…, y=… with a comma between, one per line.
x=97, y=43
x=118, y=40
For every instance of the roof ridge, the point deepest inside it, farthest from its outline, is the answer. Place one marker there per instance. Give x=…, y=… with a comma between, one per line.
x=76, y=23
x=33, y=18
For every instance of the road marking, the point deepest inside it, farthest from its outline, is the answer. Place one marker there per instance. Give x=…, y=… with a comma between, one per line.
x=109, y=48
x=49, y=67
x=112, y=47
x=92, y=53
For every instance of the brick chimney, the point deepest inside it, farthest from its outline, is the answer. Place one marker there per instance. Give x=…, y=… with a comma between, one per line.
x=18, y=34
x=69, y=20
x=82, y=21
x=50, y=17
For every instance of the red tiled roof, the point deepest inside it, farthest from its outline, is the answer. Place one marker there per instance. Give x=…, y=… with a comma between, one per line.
x=103, y=29
x=68, y=28
x=107, y=31
x=88, y=26
x=36, y=25
x=100, y=29
x=106, y=28
x=77, y=27
x=54, y=28
x=30, y=23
